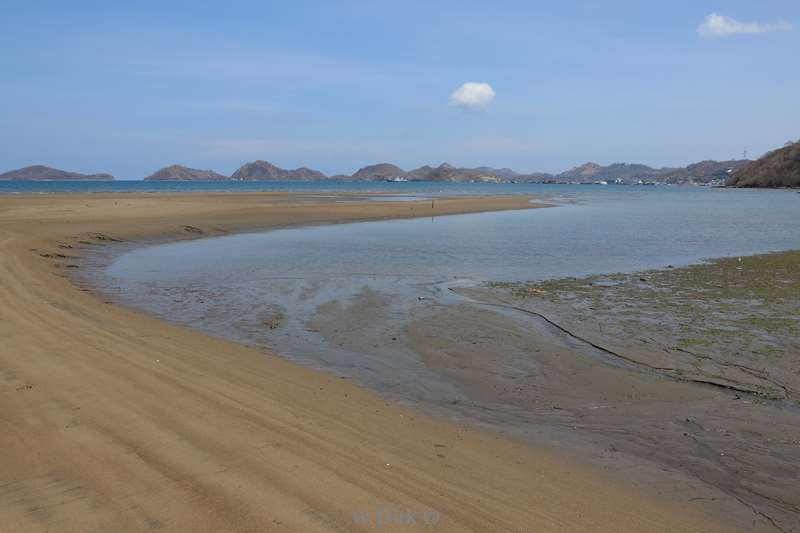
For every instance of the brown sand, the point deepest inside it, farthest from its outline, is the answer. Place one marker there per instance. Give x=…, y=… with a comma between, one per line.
x=114, y=421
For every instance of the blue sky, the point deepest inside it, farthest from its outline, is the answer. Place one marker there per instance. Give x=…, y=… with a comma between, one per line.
x=129, y=87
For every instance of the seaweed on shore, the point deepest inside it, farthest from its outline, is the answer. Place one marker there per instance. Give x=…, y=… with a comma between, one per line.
x=738, y=313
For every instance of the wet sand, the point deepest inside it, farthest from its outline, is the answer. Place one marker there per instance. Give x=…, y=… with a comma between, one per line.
x=496, y=361
x=113, y=420
x=712, y=382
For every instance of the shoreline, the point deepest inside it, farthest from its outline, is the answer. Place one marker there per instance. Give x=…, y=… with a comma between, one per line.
x=124, y=412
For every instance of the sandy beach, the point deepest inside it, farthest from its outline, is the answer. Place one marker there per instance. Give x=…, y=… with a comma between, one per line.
x=116, y=421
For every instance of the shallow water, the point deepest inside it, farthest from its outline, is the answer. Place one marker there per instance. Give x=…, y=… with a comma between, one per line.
x=413, y=188
x=627, y=230
x=237, y=286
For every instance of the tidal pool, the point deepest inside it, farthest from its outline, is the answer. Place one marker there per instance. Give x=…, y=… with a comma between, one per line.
x=271, y=288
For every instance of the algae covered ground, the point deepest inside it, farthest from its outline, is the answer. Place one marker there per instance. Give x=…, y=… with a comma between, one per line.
x=733, y=322
x=705, y=364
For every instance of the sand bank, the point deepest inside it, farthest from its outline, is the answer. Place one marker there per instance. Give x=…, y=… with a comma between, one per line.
x=112, y=420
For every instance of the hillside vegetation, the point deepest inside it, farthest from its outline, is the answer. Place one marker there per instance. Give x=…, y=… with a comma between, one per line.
x=779, y=168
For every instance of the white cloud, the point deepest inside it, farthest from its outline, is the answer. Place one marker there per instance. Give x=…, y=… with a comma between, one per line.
x=473, y=96
x=721, y=26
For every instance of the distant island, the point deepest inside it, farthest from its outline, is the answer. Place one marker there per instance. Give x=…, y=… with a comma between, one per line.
x=705, y=172
x=181, y=173
x=43, y=173
x=261, y=170
x=779, y=168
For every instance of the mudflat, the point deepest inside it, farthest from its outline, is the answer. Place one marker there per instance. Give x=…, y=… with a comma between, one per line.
x=710, y=385
x=115, y=421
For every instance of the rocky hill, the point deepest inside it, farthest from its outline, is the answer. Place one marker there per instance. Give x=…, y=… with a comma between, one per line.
x=181, y=173
x=43, y=173
x=586, y=171
x=502, y=173
x=773, y=170
x=379, y=172
x=262, y=170
x=444, y=172
x=422, y=173
x=702, y=172
x=779, y=168
x=617, y=171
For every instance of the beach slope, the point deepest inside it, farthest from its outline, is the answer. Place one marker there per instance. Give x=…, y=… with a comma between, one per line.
x=111, y=420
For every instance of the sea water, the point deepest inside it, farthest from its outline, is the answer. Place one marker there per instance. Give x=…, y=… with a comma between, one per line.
x=271, y=288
